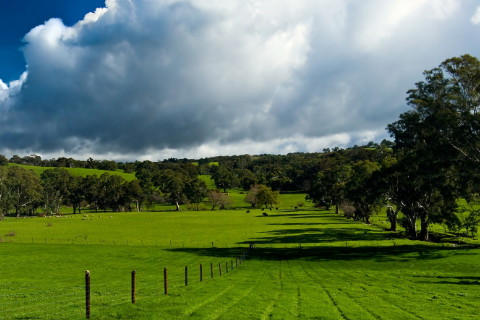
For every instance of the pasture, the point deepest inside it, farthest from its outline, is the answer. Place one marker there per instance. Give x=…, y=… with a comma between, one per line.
x=307, y=264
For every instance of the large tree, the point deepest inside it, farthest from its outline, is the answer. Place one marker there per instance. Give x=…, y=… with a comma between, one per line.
x=24, y=190
x=438, y=142
x=261, y=196
x=57, y=185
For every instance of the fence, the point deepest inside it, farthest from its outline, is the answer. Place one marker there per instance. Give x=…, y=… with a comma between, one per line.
x=166, y=280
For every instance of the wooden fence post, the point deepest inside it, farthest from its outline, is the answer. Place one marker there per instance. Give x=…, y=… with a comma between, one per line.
x=87, y=294
x=165, y=281
x=201, y=273
x=220, y=268
x=226, y=266
x=186, y=276
x=211, y=270
x=133, y=285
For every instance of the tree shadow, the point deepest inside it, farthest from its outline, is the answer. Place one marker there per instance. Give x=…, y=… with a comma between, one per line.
x=457, y=280
x=320, y=235
x=403, y=253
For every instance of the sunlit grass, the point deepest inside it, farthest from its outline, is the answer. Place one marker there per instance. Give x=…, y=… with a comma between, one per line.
x=307, y=264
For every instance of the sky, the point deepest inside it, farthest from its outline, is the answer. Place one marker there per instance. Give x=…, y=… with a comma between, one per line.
x=153, y=79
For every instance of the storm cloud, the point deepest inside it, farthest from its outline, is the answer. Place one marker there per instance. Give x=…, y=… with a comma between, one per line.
x=195, y=78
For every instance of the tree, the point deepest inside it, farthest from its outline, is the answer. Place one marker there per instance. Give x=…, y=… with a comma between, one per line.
x=329, y=186
x=361, y=190
x=110, y=192
x=225, y=178
x=196, y=191
x=5, y=203
x=438, y=143
x=132, y=192
x=56, y=188
x=173, y=183
x=77, y=194
x=91, y=189
x=3, y=160
x=218, y=199
x=261, y=196
x=24, y=190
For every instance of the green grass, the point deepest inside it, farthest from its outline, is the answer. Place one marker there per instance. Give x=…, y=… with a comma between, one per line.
x=82, y=172
x=307, y=264
x=208, y=180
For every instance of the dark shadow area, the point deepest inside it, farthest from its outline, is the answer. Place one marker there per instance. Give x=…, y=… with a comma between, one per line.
x=306, y=224
x=320, y=235
x=458, y=280
x=399, y=254
x=273, y=214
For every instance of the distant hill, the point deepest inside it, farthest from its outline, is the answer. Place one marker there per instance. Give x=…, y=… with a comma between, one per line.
x=82, y=172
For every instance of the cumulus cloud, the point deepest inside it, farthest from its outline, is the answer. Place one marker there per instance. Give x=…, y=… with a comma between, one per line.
x=476, y=17
x=142, y=78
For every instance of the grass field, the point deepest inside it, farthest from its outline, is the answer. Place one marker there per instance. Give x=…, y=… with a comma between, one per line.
x=307, y=264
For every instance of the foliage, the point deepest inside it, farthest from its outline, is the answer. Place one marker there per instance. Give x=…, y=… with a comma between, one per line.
x=261, y=196
x=219, y=199
x=437, y=142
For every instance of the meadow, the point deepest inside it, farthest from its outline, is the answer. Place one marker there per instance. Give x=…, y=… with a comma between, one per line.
x=306, y=264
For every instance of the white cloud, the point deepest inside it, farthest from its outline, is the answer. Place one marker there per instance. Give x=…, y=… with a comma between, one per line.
x=205, y=77
x=476, y=17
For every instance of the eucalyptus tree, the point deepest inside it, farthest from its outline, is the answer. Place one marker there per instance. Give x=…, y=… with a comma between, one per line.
x=361, y=191
x=24, y=190
x=329, y=185
x=57, y=184
x=195, y=191
x=261, y=196
x=438, y=141
x=218, y=199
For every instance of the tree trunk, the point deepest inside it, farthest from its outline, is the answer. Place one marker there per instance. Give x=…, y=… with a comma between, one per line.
x=392, y=217
x=393, y=223
x=177, y=206
x=336, y=208
x=367, y=219
x=424, y=236
x=411, y=228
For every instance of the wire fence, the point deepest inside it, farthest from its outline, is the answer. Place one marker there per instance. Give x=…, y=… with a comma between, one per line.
x=18, y=302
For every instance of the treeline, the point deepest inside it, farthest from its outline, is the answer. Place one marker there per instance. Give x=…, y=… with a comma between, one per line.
x=22, y=192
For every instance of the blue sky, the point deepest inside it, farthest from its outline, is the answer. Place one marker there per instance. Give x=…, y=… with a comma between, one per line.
x=146, y=79
x=20, y=16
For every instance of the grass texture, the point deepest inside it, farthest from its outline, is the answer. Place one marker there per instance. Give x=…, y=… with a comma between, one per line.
x=307, y=264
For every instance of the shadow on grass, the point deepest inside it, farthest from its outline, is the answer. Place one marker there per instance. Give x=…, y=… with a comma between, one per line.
x=399, y=254
x=460, y=280
x=321, y=235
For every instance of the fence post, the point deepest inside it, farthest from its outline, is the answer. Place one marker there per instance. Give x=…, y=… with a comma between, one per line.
x=186, y=276
x=220, y=268
x=165, y=281
x=87, y=294
x=201, y=273
x=133, y=285
x=211, y=270
x=236, y=262
x=226, y=266
x=231, y=264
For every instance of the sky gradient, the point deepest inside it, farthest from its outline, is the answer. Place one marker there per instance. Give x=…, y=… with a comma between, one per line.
x=145, y=79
